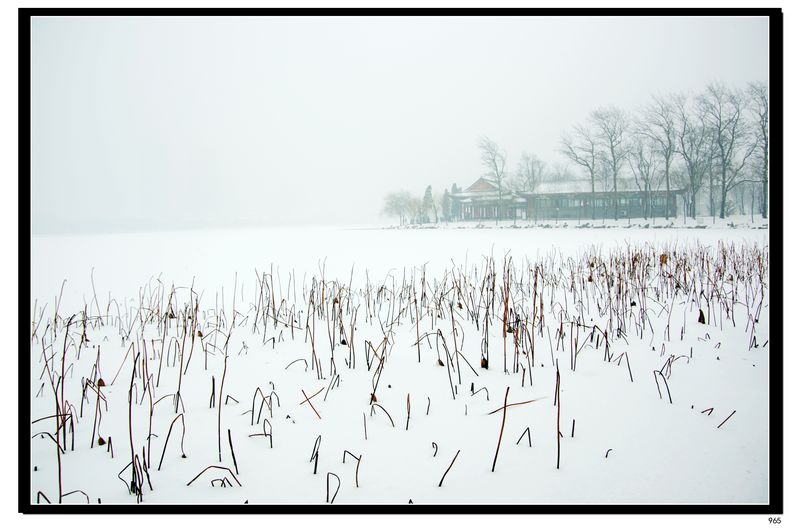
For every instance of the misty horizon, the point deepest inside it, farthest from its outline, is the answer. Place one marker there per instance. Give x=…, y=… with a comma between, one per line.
x=182, y=123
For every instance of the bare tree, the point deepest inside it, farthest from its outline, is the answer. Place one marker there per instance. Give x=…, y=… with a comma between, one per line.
x=658, y=123
x=438, y=214
x=494, y=160
x=529, y=172
x=694, y=147
x=414, y=209
x=445, y=203
x=723, y=110
x=642, y=160
x=612, y=128
x=581, y=148
x=395, y=204
x=745, y=197
x=759, y=94
x=428, y=205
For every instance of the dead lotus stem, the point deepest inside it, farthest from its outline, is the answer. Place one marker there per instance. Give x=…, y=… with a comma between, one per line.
x=502, y=427
x=315, y=452
x=75, y=492
x=526, y=431
x=253, y=407
x=166, y=441
x=408, y=410
x=233, y=454
x=328, y=498
x=482, y=389
x=217, y=467
x=655, y=375
x=133, y=487
x=513, y=404
x=384, y=411
x=726, y=419
x=558, y=418
x=213, y=398
x=448, y=468
x=298, y=360
x=308, y=400
x=357, y=458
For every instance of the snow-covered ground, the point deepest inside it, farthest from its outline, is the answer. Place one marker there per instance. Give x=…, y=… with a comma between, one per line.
x=249, y=294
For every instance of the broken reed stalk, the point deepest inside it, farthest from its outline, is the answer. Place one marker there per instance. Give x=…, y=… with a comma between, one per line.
x=328, y=498
x=629, y=366
x=358, y=459
x=502, y=427
x=209, y=467
x=501, y=408
x=233, y=454
x=726, y=419
x=40, y=495
x=77, y=492
x=213, y=398
x=133, y=485
x=222, y=383
x=166, y=442
x=448, y=468
x=408, y=410
x=526, y=431
x=308, y=400
x=484, y=390
x=97, y=414
x=315, y=452
x=384, y=411
x=655, y=375
x=416, y=321
x=558, y=418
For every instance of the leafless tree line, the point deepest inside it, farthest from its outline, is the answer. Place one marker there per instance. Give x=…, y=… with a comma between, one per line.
x=410, y=209
x=714, y=143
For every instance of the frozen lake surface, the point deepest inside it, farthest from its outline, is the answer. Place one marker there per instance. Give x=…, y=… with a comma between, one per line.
x=609, y=315
x=127, y=261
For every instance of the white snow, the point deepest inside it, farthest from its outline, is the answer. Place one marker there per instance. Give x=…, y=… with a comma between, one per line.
x=659, y=452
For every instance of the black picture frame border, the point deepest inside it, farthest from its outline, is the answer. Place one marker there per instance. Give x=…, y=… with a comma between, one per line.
x=776, y=389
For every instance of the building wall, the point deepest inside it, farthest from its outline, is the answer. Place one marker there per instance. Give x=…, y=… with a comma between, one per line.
x=579, y=206
x=488, y=211
x=571, y=206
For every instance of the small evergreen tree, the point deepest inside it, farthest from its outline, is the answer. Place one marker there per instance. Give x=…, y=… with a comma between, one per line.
x=427, y=204
x=446, y=206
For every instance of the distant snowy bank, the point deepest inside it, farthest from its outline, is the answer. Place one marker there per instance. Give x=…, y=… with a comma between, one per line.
x=732, y=222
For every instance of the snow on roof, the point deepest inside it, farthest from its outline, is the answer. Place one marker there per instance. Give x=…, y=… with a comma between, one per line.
x=484, y=196
x=484, y=190
x=585, y=186
x=482, y=185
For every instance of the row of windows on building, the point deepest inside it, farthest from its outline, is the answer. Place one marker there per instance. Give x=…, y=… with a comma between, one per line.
x=577, y=202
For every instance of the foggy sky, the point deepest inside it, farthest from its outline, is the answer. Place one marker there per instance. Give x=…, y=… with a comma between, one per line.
x=165, y=123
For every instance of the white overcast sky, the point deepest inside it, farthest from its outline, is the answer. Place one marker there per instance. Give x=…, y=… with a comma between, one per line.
x=163, y=123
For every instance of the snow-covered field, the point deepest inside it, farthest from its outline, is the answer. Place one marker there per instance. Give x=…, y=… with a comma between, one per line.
x=278, y=339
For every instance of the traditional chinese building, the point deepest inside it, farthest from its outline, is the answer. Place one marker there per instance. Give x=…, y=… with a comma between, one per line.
x=563, y=200
x=483, y=200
